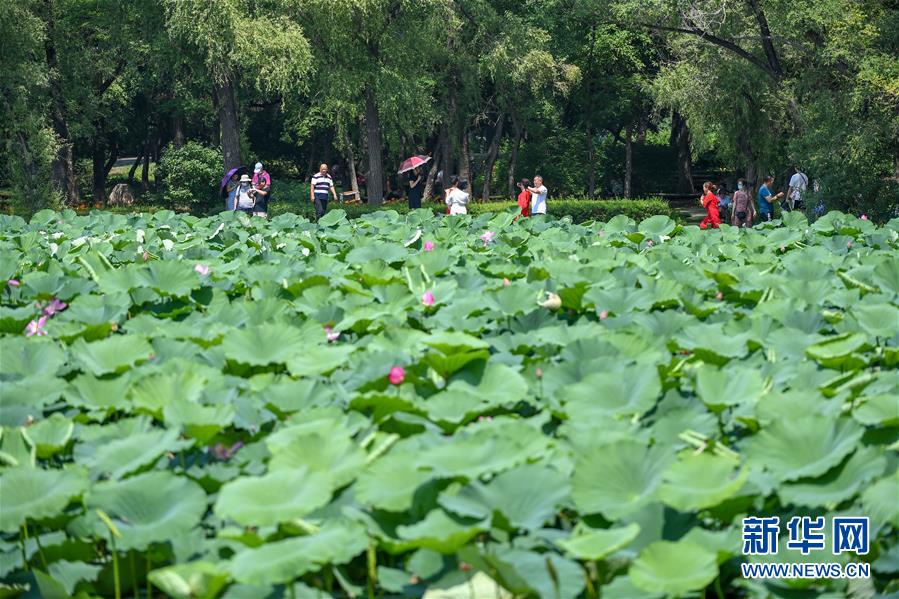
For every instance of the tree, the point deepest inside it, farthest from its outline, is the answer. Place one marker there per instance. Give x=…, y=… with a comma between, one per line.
x=242, y=44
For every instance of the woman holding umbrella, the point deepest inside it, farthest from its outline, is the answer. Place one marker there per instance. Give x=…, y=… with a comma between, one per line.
x=228, y=187
x=416, y=179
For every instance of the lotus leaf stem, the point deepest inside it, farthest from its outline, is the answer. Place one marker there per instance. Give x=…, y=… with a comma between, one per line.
x=372, y=559
x=133, y=574
x=149, y=584
x=24, y=539
x=115, y=567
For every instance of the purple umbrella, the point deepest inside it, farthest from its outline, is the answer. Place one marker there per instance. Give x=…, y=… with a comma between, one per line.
x=239, y=170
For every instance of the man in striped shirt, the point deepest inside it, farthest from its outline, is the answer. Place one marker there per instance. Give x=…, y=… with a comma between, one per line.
x=321, y=185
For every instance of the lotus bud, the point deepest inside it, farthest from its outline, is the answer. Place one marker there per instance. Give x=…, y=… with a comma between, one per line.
x=429, y=246
x=427, y=299
x=397, y=375
x=603, y=314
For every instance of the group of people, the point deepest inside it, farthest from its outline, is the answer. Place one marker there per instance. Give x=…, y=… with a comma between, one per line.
x=741, y=206
x=249, y=194
x=531, y=199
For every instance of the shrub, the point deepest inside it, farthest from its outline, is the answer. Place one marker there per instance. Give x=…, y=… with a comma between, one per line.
x=580, y=210
x=191, y=175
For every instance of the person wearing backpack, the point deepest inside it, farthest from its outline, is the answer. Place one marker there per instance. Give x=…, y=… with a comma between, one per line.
x=797, y=189
x=743, y=208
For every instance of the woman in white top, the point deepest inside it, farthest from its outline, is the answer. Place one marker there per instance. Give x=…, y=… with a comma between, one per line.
x=456, y=196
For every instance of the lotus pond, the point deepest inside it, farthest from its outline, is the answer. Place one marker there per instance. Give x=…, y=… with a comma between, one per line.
x=406, y=406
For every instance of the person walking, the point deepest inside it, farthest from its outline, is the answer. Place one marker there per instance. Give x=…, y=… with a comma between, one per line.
x=321, y=185
x=231, y=190
x=710, y=203
x=767, y=199
x=524, y=197
x=743, y=209
x=416, y=188
x=245, y=195
x=797, y=189
x=457, y=197
x=538, y=196
x=262, y=183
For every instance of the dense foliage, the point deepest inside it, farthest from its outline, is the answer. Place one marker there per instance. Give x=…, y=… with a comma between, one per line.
x=412, y=403
x=191, y=175
x=604, y=97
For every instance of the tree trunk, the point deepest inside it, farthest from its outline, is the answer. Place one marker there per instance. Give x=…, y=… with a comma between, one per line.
x=492, y=153
x=680, y=138
x=464, y=160
x=628, y=161
x=432, y=172
x=375, y=160
x=137, y=161
x=446, y=157
x=513, y=158
x=591, y=162
x=63, y=165
x=145, y=172
x=230, y=127
x=101, y=165
x=351, y=163
x=178, y=131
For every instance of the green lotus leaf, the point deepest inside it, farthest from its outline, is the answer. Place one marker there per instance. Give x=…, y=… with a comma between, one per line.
x=273, y=498
x=699, y=481
x=282, y=561
x=618, y=478
x=449, y=342
x=50, y=436
x=879, y=409
x=632, y=391
x=265, y=344
x=69, y=574
x=315, y=360
x=838, y=484
x=153, y=393
x=656, y=226
x=526, y=496
x=197, y=421
x=120, y=457
x=37, y=494
x=400, y=468
x=168, y=277
x=833, y=351
x=538, y=574
x=879, y=500
x=114, y=354
x=321, y=446
x=674, y=568
x=22, y=358
x=729, y=386
x=807, y=446
x=479, y=585
x=439, y=532
x=91, y=392
x=886, y=275
x=596, y=544
x=878, y=320
x=149, y=508
x=193, y=580
x=15, y=448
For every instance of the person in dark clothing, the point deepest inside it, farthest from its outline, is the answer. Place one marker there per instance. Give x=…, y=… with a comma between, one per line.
x=416, y=188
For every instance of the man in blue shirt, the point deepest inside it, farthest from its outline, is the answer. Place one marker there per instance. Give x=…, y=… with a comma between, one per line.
x=767, y=199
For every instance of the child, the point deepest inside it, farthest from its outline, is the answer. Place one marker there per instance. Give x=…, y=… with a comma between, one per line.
x=710, y=203
x=457, y=197
x=524, y=198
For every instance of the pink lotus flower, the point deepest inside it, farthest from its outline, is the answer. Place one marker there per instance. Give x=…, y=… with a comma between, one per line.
x=649, y=243
x=604, y=314
x=864, y=217
x=485, y=418
x=427, y=298
x=506, y=282
x=397, y=375
x=849, y=245
x=331, y=334
x=12, y=283
x=487, y=237
x=783, y=249
x=54, y=306
x=202, y=269
x=429, y=245
x=538, y=373
x=223, y=452
x=36, y=327
x=719, y=296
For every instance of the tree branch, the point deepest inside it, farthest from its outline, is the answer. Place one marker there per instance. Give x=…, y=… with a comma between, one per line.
x=712, y=39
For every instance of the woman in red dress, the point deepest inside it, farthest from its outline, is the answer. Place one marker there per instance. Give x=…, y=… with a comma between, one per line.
x=524, y=197
x=710, y=203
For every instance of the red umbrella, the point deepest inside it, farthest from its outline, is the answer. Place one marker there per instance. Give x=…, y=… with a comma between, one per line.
x=410, y=163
